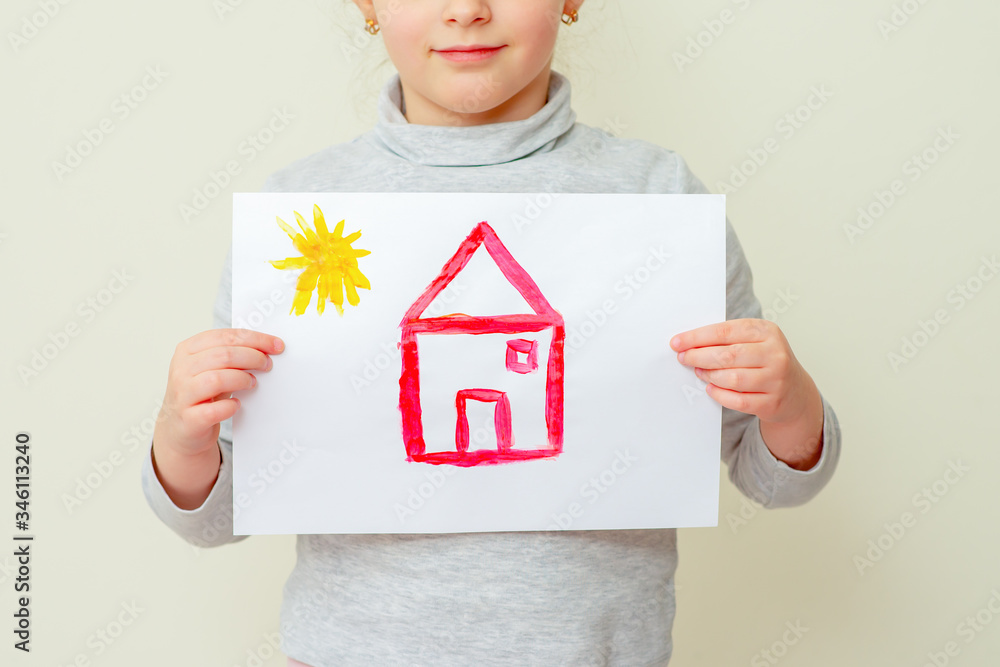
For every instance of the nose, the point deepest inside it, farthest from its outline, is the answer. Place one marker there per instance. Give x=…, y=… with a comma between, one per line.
x=467, y=12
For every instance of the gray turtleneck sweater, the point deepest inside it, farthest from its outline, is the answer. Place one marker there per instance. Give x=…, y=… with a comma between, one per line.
x=532, y=598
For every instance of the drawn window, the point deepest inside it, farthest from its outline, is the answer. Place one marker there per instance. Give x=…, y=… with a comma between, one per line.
x=522, y=355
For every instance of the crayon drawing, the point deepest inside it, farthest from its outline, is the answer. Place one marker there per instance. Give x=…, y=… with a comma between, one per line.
x=519, y=356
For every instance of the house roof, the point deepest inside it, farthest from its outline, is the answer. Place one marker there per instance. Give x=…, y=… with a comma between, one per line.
x=483, y=234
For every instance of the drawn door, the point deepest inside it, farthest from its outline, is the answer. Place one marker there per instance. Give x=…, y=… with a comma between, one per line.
x=501, y=417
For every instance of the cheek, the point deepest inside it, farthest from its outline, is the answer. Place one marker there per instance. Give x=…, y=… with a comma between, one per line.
x=538, y=40
x=538, y=36
x=406, y=34
x=542, y=24
x=407, y=53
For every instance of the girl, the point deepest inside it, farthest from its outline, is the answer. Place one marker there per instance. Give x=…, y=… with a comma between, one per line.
x=475, y=107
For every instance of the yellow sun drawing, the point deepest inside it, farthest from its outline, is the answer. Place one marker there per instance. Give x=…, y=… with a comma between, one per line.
x=330, y=263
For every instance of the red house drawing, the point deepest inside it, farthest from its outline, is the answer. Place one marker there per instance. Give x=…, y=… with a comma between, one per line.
x=520, y=356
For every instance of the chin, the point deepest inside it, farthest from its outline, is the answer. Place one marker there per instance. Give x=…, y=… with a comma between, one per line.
x=460, y=106
x=464, y=100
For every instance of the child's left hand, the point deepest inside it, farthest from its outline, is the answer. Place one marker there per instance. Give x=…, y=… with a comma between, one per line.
x=749, y=367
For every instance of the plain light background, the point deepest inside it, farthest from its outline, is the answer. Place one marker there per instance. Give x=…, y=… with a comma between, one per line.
x=851, y=303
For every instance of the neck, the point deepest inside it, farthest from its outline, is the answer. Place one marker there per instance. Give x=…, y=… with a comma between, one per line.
x=421, y=110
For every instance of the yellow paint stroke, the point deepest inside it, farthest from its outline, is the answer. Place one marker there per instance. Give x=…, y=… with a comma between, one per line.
x=330, y=263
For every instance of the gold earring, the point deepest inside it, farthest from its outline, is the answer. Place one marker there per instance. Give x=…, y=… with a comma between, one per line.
x=371, y=26
x=572, y=17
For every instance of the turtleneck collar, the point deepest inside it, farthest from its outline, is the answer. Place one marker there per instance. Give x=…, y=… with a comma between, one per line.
x=474, y=145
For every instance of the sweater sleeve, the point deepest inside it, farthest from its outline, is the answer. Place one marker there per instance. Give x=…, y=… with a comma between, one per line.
x=211, y=524
x=752, y=467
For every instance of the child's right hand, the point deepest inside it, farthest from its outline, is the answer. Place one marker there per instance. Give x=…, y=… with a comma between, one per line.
x=205, y=369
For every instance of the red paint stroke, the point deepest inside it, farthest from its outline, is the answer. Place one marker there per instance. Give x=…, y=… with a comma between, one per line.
x=527, y=347
x=544, y=317
x=501, y=417
x=480, y=325
x=483, y=457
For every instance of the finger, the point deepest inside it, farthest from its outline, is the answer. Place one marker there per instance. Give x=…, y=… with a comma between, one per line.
x=245, y=358
x=225, y=396
x=204, y=386
x=206, y=415
x=219, y=397
x=737, y=355
x=750, y=403
x=232, y=338
x=735, y=379
x=746, y=330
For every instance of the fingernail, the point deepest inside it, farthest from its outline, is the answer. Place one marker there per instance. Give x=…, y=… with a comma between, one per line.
x=279, y=345
x=680, y=357
x=270, y=364
x=253, y=381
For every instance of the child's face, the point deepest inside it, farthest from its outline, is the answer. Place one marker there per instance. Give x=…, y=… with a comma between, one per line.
x=442, y=87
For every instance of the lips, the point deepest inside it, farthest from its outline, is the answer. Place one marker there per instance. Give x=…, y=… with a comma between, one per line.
x=469, y=47
x=469, y=52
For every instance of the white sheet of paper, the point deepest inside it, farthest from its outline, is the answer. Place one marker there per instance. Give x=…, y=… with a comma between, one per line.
x=319, y=444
